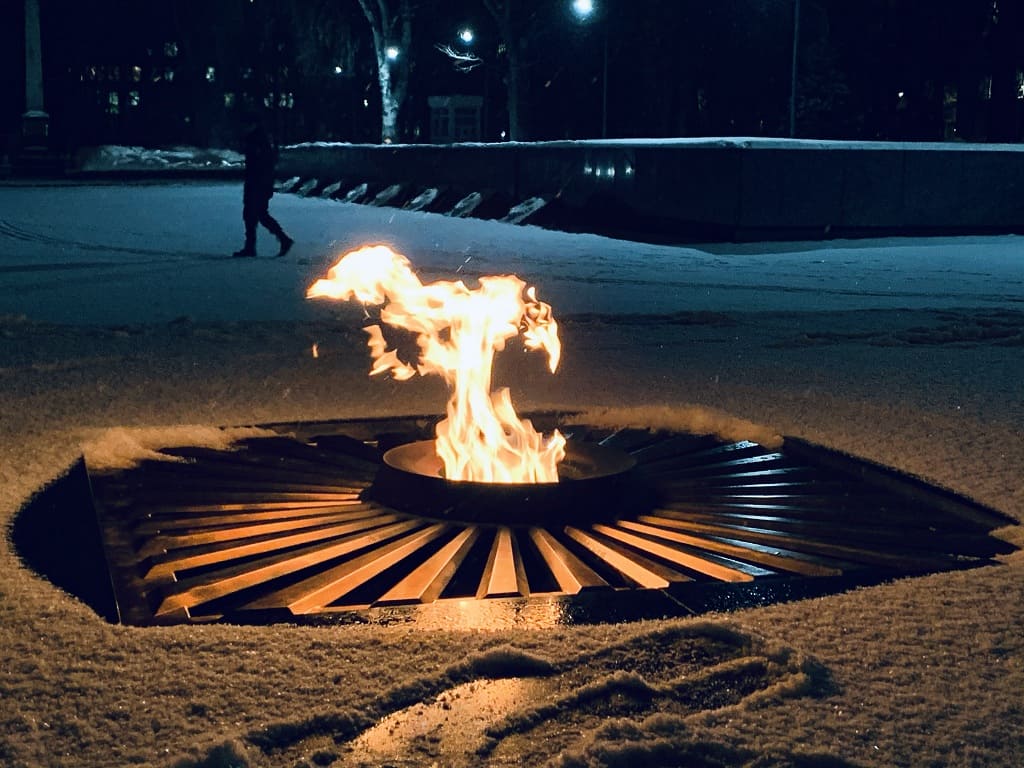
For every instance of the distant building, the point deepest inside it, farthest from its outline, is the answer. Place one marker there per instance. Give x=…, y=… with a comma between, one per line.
x=455, y=118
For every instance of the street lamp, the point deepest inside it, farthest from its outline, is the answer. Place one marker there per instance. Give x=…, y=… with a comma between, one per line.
x=792, y=71
x=585, y=11
x=391, y=52
x=466, y=35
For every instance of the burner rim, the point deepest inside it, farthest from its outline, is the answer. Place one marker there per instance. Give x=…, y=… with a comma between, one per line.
x=583, y=462
x=599, y=483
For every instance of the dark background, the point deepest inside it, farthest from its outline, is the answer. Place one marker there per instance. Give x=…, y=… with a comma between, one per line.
x=170, y=72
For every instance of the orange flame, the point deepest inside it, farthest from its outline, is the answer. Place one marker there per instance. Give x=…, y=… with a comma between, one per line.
x=458, y=331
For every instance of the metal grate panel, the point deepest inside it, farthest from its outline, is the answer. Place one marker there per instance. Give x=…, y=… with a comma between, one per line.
x=285, y=528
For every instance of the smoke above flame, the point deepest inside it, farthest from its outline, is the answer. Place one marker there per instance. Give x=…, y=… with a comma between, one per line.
x=458, y=331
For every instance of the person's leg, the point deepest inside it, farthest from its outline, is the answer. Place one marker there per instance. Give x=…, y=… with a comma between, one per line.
x=250, y=217
x=275, y=229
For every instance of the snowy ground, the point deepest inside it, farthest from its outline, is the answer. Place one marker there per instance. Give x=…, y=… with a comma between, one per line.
x=119, y=307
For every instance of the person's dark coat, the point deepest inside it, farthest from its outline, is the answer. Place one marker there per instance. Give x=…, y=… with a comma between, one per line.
x=260, y=159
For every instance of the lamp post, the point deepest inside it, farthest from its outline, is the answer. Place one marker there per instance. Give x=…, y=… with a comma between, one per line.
x=793, y=68
x=585, y=10
x=35, y=120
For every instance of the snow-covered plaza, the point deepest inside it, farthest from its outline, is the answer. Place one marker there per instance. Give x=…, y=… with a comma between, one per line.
x=120, y=307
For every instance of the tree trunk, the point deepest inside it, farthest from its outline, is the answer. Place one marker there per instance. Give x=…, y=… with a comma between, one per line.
x=1003, y=107
x=501, y=11
x=392, y=75
x=388, y=103
x=515, y=131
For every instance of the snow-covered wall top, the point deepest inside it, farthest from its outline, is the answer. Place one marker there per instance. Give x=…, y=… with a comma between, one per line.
x=741, y=142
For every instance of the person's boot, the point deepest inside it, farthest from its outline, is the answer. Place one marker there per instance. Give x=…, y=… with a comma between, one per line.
x=248, y=250
x=286, y=245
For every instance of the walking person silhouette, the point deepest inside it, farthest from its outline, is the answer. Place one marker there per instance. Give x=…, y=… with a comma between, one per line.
x=260, y=159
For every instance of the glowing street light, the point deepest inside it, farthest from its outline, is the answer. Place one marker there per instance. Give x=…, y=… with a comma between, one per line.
x=466, y=35
x=391, y=52
x=583, y=8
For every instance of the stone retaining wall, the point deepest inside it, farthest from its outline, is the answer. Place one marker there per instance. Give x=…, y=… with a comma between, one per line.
x=728, y=188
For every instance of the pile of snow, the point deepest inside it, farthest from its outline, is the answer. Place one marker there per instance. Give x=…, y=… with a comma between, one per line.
x=517, y=214
x=118, y=158
x=123, y=447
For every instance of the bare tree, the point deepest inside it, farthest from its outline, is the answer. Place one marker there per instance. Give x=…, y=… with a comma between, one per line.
x=391, y=25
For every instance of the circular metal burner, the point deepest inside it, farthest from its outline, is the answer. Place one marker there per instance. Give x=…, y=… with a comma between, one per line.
x=317, y=525
x=595, y=483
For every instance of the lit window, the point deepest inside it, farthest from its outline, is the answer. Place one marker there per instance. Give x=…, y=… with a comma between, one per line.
x=169, y=74
x=1020, y=84
x=91, y=73
x=247, y=73
x=113, y=103
x=229, y=99
x=211, y=74
x=439, y=124
x=133, y=98
x=136, y=74
x=338, y=69
x=286, y=101
x=986, y=88
x=466, y=122
x=170, y=50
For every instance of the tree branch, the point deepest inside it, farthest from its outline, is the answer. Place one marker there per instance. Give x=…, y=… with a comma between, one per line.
x=368, y=13
x=462, y=61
